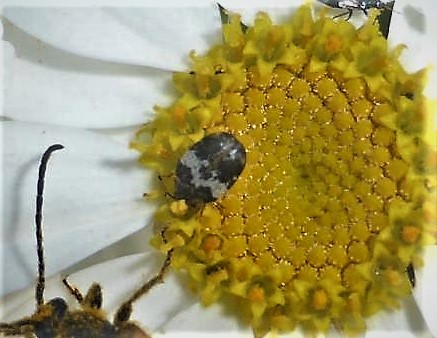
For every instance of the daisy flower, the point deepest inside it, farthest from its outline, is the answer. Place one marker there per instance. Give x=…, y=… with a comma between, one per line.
x=89, y=77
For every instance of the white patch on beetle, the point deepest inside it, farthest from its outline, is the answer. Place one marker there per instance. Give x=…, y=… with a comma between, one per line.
x=235, y=155
x=195, y=164
x=207, y=170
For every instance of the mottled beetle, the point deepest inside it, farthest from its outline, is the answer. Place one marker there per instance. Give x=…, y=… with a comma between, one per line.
x=54, y=319
x=206, y=171
x=351, y=5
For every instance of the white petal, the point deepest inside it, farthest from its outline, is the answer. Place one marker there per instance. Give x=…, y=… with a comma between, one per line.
x=212, y=321
x=277, y=9
x=135, y=243
x=425, y=291
x=44, y=84
x=158, y=34
x=406, y=322
x=122, y=135
x=155, y=36
x=415, y=24
x=119, y=278
x=66, y=89
x=93, y=197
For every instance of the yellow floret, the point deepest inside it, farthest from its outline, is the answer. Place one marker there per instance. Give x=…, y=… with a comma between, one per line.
x=331, y=205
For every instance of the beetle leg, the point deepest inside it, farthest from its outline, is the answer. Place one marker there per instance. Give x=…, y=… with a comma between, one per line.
x=94, y=297
x=74, y=291
x=124, y=311
x=20, y=327
x=411, y=274
x=348, y=13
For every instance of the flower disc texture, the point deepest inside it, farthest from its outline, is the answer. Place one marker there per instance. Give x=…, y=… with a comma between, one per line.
x=331, y=207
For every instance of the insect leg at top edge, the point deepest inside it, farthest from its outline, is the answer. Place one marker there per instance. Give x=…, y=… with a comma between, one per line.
x=54, y=318
x=362, y=5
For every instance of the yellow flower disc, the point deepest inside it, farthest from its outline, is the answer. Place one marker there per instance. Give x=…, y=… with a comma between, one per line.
x=330, y=208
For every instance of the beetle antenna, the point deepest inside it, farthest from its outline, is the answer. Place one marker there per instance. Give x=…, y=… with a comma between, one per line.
x=39, y=291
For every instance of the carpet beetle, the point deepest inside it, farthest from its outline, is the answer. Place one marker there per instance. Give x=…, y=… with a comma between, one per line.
x=54, y=319
x=206, y=171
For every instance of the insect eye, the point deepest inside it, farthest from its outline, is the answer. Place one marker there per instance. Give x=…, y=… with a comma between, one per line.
x=59, y=307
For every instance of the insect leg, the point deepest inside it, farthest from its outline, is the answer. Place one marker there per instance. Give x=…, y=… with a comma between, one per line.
x=39, y=291
x=348, y=13
x=93, y=298
x=411, y=274
x=125, y=310
x=162, y=180
x=23, y=326
x=74, y=291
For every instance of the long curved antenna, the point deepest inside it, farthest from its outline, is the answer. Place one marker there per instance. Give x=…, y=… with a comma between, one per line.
x=39, y=291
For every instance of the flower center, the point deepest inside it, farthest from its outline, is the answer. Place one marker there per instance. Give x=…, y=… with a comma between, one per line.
x=322, y=223
x=316, y=176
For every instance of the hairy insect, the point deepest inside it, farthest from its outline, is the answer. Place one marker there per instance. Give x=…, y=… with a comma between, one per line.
x=54, y=319
x=207, y=170
x=351, y=5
